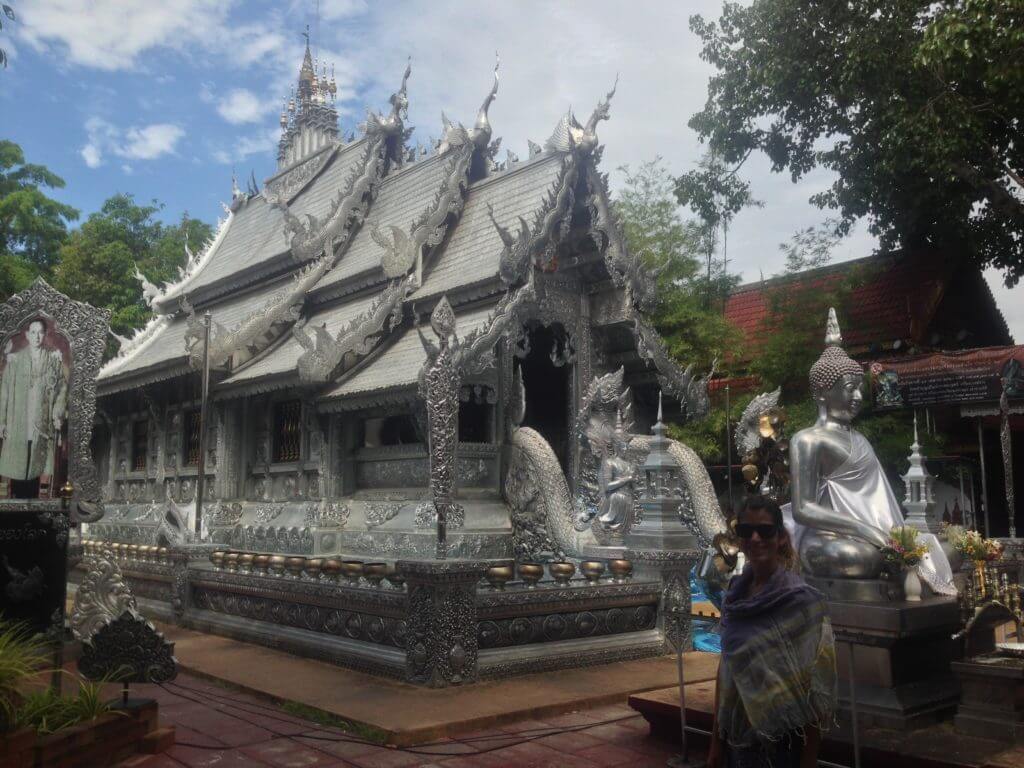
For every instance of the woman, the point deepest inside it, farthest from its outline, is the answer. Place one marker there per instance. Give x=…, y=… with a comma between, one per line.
x=776, y=686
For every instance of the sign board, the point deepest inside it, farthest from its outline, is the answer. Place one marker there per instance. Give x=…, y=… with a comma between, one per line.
x=951, y=378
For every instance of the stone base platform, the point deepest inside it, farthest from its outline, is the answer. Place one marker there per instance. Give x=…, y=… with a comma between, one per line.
x=900, y=655
x=407, y=714
x=935, y=746
x=992, y=702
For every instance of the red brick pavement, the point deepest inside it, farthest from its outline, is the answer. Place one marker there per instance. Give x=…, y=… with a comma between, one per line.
x=228, y=729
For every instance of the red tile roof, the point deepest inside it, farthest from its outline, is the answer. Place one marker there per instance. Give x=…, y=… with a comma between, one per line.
x=896, y=300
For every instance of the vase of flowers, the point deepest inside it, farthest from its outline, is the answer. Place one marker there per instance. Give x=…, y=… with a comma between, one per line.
x=976, y=547
x=905, y=551
x=979, y=550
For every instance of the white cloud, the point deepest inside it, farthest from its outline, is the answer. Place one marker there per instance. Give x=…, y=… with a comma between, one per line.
x=92, y=156
x=137, y=143
x=241, y=106
x=254, y=144
x=150, y=142
x=110, y=34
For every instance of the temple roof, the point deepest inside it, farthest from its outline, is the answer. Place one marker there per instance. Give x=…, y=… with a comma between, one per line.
x=905, y=297
x=281, y=360
x=254, y=244
x=398, y=365
x=347, y=228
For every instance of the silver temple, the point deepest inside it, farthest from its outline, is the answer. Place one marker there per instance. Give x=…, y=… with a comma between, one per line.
x=325, y=441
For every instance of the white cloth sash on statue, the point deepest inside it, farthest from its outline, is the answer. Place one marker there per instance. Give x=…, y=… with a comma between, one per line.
x=860, y=489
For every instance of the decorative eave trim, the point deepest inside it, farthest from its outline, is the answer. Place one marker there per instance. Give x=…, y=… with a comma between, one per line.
x=257, y=331
x=625, y=269
x=143, y=338
x=404, y=252
x=537, y=244
x=690, y=391
x=321, y=360
x=404, y=395
x=272, y=382
x=167, y=303
x=151, y=375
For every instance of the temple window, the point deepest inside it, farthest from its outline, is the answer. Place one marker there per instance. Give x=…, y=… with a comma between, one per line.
x=399, y=429
x=140, y=444
x=287, y=435
x=193, y=422
x=475, y=422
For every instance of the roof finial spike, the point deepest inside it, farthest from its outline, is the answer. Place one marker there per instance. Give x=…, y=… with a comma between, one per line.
x=482, y=126
x=659, y=406
x=916, y=444
x=833, y=336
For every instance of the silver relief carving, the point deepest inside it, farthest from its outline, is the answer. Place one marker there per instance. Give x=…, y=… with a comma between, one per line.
x=323, y=357
x=405, y=251
x=259, y=329
x=378, y=513
x=747, y=436
x=102, y=596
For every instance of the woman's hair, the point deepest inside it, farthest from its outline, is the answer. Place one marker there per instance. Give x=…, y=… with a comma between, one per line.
x=758, y=502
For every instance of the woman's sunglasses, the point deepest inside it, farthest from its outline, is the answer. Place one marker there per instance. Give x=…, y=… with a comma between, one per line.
x=746, y=530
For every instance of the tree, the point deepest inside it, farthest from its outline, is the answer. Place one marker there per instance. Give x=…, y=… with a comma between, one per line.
x=98, y=261
x=655, y=230
x=716, y=194
x=32, y=225
x=9, y=13
x=915, y=105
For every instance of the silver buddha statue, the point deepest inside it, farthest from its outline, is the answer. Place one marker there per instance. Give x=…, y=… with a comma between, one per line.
x=616, y=478
x=842, y=504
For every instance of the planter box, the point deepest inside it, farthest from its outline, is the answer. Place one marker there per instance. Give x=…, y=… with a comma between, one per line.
x=104, y=740
x=16, y=748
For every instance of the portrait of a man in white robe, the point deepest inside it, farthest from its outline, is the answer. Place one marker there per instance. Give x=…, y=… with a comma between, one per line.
x=33, y=408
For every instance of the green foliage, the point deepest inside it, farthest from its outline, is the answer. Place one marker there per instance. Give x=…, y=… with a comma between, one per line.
x=793, y=327
x=716, y=194
x=98, y=261
x=9, y=13
x=47, y=710
x=22, y=656
x=32, y=225
x=707, y=436
x=915, y=106
x=654, y=230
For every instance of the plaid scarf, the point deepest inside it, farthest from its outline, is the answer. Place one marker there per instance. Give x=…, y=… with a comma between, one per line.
x=778, y=666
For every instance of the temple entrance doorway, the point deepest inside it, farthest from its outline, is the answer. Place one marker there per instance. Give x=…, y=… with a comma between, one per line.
x=547, y=387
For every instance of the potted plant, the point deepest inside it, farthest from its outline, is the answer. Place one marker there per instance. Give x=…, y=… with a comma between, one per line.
x=905, y=551
x=22, y=656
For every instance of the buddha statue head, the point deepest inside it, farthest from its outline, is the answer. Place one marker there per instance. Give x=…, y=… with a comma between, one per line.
x=836, y=378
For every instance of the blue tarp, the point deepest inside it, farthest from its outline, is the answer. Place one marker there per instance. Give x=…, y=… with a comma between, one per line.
x=705, y=631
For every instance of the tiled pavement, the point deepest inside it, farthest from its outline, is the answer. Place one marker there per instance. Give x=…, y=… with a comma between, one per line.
x=228, y=729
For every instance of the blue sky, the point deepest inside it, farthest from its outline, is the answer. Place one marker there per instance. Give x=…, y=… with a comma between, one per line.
x=162, y=100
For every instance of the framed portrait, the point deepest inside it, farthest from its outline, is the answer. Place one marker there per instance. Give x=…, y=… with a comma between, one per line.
x=35, y=377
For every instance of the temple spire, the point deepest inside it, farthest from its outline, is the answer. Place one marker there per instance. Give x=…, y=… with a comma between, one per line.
x=309, y=121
